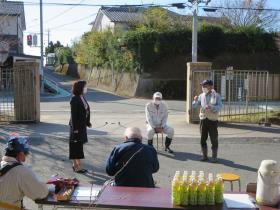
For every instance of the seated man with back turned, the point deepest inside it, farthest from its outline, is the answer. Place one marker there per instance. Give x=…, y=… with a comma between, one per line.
x=133, y=163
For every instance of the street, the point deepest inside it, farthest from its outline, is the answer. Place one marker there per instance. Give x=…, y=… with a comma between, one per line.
x=241, y=147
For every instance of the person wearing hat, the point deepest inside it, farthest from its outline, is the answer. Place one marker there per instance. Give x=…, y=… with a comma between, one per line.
x=16, y=180
x=156, y=118
x=210, y=103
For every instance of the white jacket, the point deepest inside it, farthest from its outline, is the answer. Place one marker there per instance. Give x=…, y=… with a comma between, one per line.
x=156, y=116
x=20, y=181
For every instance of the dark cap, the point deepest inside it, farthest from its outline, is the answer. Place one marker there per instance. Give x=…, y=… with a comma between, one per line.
x=207, y=82
x=17, y=144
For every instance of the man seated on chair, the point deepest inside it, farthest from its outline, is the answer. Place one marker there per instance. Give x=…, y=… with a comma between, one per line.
x=17, y=180
x=156, y=118
x=133, y=163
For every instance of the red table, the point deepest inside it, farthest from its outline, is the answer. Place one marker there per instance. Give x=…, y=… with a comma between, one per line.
x=133, y=198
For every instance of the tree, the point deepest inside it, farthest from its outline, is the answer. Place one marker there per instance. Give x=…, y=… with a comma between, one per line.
x=248, y=13
x=51, y=48
x=160, y=19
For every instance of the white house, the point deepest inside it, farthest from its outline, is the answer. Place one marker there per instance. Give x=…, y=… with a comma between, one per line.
x=122, y=17
x=12, y=24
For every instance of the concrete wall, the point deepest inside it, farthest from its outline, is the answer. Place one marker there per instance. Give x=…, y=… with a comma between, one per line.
x=124, y=84
x=132, y=84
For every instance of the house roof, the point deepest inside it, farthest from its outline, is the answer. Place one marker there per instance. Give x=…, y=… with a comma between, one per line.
x=13, y=8
x=134, y=14
x=123, y=14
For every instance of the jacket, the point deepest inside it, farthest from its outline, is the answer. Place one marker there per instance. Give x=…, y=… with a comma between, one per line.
x=80, y=119
x=213, y=113
x=156, y=116
x=133, y=163
x=20, y=181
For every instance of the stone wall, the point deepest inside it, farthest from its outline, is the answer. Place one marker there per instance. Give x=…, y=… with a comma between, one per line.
x=132, y=84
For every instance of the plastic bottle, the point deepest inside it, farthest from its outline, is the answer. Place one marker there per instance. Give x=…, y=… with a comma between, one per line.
x=219, y=189
x=210, y=190
x=175, y=192
x=193, y=174
x=185, y=191
x=201, y=192
x=185, y=174
x=193, y=191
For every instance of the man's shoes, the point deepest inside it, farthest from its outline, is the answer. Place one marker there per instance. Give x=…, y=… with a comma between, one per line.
x=214, y=156
x=204, y=159
x=82, y=171
x=214, y=160
x=167, y=149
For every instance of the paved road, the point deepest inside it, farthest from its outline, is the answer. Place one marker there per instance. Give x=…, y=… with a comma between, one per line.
x=242, y=147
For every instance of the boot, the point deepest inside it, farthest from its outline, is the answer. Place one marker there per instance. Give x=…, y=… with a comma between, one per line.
x=204, y=154
x=214, y=156
x=150, y=142
x=167, y=145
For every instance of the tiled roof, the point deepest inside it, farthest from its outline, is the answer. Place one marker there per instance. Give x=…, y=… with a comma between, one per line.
x=123, y=14
x=13, y=8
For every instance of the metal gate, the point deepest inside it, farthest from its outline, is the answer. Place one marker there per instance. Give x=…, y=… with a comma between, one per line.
x=6, y=94
x=244, y=95
x=19, y=92
x=243, y=92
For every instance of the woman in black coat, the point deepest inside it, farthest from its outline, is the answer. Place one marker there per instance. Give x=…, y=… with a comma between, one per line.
x=79, y=121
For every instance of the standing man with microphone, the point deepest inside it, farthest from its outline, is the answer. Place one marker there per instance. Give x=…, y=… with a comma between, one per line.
x=210, y=104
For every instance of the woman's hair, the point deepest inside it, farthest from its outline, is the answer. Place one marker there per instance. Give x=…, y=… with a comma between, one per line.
x=78, y=87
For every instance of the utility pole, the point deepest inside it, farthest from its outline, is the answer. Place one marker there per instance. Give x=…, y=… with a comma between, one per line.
x=195, y=4
x=42, y=46
x=47, y=59
x=194, y=31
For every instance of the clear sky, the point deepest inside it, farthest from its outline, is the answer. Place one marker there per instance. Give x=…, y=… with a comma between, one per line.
x=68, y=23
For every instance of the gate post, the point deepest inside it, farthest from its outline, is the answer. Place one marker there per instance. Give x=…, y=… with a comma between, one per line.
x=196, y=72
x=26, y=91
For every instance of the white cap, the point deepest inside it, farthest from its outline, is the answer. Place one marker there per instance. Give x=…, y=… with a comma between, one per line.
x=157, y=95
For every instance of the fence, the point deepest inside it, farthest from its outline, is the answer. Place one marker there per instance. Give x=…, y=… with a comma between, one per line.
x=244, y=94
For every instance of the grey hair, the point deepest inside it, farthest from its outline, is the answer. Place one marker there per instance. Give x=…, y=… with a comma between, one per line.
x=132, y=132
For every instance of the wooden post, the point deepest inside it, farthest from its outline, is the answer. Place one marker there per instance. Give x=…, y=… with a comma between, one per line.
x=26, y=91
x=196, y=73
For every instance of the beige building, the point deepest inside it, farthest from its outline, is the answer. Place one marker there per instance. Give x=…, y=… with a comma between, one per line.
x=12, y=24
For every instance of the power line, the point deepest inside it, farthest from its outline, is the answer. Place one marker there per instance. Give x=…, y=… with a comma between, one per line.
x=30, y=3
x=81, y=19
x=63, y=12
x=241, y=8
x=56, y=16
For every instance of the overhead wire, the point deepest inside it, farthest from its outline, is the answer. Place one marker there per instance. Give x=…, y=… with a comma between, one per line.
x=76, y=21
x=58, y=15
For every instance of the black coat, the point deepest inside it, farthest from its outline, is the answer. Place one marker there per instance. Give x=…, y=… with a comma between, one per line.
x=133, y=163
x=80, y=119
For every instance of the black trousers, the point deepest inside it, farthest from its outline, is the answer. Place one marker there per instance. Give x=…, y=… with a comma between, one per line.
x=209, y=127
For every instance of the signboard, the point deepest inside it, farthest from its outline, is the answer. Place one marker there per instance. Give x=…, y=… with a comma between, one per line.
x=35, y=40
x=229, y=74
x=223, y=88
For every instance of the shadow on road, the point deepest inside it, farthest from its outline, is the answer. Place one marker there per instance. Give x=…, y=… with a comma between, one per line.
x=185, y=156
x=251, y=127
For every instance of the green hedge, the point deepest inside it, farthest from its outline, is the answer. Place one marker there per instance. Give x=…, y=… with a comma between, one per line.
x=141, y=49
x=63, y=55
